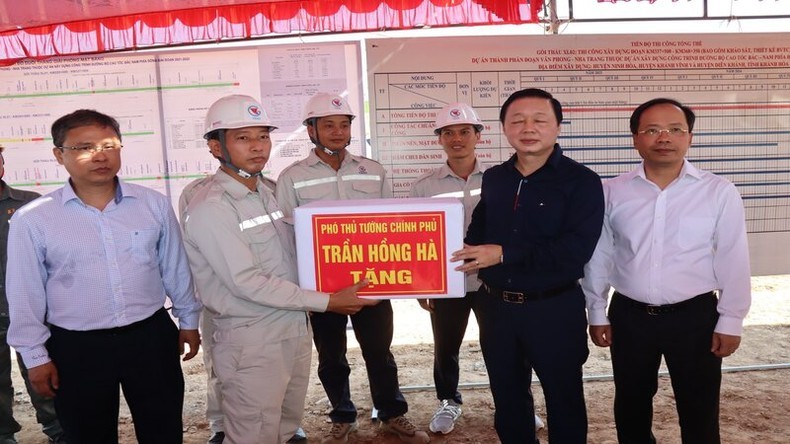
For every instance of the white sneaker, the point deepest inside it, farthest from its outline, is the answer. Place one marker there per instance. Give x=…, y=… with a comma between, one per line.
x=538, y=423
x=444, y=419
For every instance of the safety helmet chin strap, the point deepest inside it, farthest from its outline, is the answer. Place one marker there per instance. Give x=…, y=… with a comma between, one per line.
x=229, y=163
x=317, y=141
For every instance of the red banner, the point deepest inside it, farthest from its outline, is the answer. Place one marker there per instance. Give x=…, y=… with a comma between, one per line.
x=399, y=253
x=46, y=28
x=615, y=1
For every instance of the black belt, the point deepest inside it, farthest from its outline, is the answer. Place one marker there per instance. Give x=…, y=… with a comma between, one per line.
x=667, y=308
x=518, y=297
x=115, y=330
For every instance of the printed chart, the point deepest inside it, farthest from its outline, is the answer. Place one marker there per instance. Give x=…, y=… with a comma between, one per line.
x=739, y=87
x=161, y=100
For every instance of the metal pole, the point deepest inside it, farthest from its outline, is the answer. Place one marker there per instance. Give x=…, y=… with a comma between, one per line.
x=554, y=21
x=607, y=377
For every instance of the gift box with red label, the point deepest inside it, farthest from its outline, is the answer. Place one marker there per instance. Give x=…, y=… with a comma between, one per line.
x=401, y=246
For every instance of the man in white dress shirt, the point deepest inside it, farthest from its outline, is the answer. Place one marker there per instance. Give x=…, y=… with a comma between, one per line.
x=93, y=262
x=674, y=248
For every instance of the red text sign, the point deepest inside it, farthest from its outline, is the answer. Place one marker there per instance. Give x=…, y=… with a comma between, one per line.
x=399, y=253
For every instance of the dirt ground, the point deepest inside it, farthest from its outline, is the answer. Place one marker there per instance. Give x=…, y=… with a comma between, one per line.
x=754, y=408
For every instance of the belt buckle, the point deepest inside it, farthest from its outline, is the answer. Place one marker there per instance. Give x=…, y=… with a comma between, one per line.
x=653, y=310
x=513, y=297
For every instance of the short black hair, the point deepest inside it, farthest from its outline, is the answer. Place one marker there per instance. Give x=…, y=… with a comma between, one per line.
x=531, y=92
x=637, y=114
x=80, y=118
x=213, y=135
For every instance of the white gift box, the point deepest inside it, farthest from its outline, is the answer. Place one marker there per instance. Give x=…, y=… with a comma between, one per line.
x=402, y=246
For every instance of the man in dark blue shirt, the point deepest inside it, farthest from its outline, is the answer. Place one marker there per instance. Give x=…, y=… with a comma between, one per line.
x=537, y=224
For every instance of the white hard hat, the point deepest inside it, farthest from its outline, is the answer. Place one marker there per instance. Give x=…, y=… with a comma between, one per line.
x=325, y=104
x=457, y=114
x=236, y=111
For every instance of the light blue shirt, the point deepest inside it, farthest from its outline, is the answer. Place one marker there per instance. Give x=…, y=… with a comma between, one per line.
x=79, y=268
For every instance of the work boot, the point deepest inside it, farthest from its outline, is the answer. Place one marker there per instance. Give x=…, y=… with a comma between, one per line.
x=339, y=432
x=401, y=426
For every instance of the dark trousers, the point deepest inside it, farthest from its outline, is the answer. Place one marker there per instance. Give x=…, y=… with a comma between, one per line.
x=683, y=338
x=547, y=335
x=45, y=407
x=142, y=359
x=449, y=320
x=373, y=330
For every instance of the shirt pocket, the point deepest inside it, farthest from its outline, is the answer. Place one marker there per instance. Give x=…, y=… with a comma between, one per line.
x=696, y=232
x=315, y=192
x=366, y=189
x=264, y=244
x=144, y=245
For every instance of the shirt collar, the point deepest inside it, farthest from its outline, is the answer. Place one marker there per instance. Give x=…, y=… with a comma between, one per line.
x=690, y=170
x=121, y=190
x=233, y=187
x=313, y=159
x=686, y=170
x=554, y=159
x=445, y=170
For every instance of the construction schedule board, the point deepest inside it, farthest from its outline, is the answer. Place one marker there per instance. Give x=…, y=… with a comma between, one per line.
x=160, y=100
x=401, y=246
x=738, y=84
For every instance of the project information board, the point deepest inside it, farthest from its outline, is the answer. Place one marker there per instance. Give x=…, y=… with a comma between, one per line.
x=738, y=84
x=161, y=99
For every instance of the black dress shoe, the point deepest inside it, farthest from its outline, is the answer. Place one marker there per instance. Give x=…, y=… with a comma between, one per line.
x=216, y=438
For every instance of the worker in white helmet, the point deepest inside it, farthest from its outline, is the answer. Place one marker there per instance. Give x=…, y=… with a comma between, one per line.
x=330, y=173
x=458, y=128
x=243, y=259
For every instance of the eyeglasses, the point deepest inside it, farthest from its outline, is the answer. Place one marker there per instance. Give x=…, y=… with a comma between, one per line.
x=655, y=132
x=91, y=149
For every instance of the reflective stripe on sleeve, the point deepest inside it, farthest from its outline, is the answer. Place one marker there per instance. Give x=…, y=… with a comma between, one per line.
x=459, y=194
x=311, y=182
x=346, y=178
x=369, y=177
x=260, y=220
